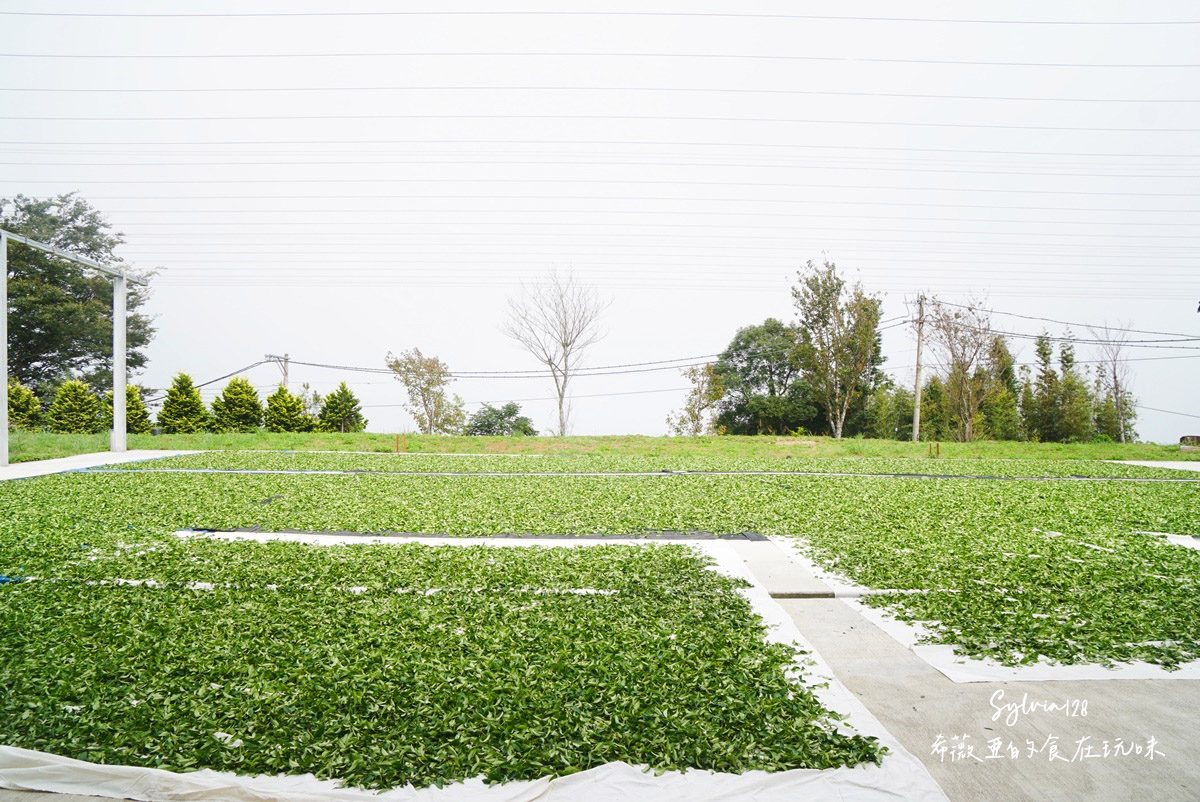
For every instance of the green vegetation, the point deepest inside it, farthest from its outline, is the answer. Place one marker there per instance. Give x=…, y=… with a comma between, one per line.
x=183, y=412
x=442, y=664
x=75, y=410
x=285, y=413
x=971, y=545
x=137, y=418
x=559, y=463
x=504, y=421
x=60, y=314
x=40, y=445
x=237, y=408
x=24, y=409
x=340, y=412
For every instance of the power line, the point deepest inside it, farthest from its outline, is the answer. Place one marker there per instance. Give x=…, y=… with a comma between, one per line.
x=589, y=54
x=541, y=13
x=213, y=381
x=780, y=184
x=1081, y=325
x=545, y=88
x=781, y=145
x=609, y=163
x=551, y=398
x=639, y=117
x=1168, y=411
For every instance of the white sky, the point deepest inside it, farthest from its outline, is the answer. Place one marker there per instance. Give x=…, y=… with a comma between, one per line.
x=397, y=210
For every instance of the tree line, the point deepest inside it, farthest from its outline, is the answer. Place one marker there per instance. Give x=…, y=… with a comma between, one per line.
x=823, y=374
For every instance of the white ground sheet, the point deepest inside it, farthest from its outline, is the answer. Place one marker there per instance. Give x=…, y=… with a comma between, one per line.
x=901, y=777
x=963, y=669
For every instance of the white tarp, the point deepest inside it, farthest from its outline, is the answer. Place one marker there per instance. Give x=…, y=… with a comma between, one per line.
x=963, y=669
x=900, y=777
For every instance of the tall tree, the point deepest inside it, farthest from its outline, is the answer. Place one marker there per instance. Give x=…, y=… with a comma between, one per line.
x=837, y=324
x=341, y=412
x=1074, y=402
x=696, y=416
x=183, y=411
x=763, y=388
x=556, y=322
x=962, y=338
x=60, y=314
x=1114, y=384
x=286, y=413
x=426, y=378
x=237, y=408
x=505, y=421
x=75, y=410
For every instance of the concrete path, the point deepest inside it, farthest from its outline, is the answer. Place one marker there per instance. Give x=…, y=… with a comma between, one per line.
x=42, y=467
x=930, y=715
x=1176, y=465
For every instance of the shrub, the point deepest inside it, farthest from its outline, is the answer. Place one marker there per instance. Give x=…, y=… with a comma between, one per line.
x=498, y=421
x=341, y=412
x=24, y=410
x=237, y=408
x=75, y=410
x=285, y=413
x=137, y=418
x=183, y=412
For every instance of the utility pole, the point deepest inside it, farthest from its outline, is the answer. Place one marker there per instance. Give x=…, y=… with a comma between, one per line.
x=282, y=361
x=916, y=427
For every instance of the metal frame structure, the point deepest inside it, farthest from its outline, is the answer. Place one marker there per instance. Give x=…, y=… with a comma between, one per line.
x=121, y=282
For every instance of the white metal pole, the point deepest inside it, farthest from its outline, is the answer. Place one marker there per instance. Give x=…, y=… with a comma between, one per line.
x=4, y=347
x=916, y=426
x=117, y=442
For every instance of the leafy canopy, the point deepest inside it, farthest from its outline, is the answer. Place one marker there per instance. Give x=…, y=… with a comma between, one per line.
x=60, y=314
x=506, y=420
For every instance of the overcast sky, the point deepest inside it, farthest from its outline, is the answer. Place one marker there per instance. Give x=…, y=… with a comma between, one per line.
x=355, y=196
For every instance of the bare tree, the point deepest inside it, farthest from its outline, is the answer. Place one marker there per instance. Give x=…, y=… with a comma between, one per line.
x=1115, y=377
x=556, y=321
x=963, y=340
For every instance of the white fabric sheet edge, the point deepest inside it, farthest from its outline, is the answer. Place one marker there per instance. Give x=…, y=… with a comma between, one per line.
x=962, y=669
x=901, y=777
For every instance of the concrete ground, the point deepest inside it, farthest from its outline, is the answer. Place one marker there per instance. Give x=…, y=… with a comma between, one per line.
x=42, y=467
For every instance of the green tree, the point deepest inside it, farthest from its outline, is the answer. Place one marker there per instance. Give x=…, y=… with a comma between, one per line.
x=60, y=314
x=1042, y=416
x=937, y=418
x=341, y=412
x=75, y=409
x=24, y=409
x=1074, y=402
x=696, y=416
x=137, y=418
x=763, y=388
x=237, y=408
x=1001, y=414
x=286, y=413
x=426, y=378
x=183, y=412
x=838, y=338
x=882, y=414
x=504, y=421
